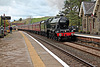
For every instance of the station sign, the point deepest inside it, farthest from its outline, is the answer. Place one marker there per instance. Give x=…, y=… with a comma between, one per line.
x=6, y=17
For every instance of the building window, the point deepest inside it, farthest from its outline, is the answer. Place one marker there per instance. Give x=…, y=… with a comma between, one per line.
x=99, y=17
x=84, y=23
x=93, y=22
x=99, y=29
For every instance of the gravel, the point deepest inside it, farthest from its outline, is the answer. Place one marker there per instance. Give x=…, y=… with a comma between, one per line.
x=69, y=60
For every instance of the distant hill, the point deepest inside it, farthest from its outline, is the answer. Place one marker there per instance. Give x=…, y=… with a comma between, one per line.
x=25, y=21
x=39, y=19
x=32, y=20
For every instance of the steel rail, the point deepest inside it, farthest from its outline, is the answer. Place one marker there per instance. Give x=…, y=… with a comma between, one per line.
x=77, y=58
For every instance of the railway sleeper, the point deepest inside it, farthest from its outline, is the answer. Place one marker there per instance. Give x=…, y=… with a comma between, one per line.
x=97, y=43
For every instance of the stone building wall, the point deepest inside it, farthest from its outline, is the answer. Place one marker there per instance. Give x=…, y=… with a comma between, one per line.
x=89, y=24
x=98, y=20
x=84, y=23
x=91, y=17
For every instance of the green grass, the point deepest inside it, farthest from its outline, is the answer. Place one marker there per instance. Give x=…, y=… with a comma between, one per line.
x=39, y=19
x=31, y=20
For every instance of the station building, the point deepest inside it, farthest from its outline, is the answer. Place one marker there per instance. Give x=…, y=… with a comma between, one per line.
x=90, y=13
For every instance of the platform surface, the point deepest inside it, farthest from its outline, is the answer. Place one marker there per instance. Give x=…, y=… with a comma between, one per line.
x=14, y=52
x=87, y=35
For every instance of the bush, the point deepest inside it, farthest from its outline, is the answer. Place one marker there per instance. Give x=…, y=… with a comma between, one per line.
x=97, y=33
x=88, y=32
x=80, y=31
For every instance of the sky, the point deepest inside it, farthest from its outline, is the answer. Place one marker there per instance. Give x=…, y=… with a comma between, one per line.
x=30, y=8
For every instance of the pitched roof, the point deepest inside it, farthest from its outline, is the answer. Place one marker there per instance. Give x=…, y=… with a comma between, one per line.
x=87, y=8
x=96, y=6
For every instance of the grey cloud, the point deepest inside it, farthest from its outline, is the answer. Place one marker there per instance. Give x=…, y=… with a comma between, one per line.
x=5, y=2
x=56, y=3
x=21, y=8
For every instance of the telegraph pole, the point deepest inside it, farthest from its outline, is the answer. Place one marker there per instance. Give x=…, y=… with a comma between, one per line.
x=4, y=26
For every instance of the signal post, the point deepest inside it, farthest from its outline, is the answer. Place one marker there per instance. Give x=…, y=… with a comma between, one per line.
x=4, y=18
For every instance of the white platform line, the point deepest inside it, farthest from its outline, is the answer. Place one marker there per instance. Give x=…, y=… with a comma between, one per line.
x=56, y=57
x=88, y=36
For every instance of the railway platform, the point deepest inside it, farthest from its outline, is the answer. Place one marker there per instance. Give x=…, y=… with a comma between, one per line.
x=20, y=50
x=87, y=35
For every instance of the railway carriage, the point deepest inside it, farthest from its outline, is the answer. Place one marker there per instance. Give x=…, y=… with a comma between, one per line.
x=36, y=27
x=30, y=27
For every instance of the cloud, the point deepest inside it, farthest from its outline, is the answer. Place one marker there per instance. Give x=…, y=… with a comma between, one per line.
x=5, y=2
x=59, y=4
x=33, y=8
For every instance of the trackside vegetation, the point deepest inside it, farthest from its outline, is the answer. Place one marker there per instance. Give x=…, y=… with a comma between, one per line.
x=30, y=20
x=33, y=20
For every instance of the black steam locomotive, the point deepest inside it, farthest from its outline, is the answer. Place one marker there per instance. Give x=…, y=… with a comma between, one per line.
x=54, y=28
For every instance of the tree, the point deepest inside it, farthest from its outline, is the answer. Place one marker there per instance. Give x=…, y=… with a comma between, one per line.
x=14, y=20
x=0, y=20
x=20, y=19
x=71, y=11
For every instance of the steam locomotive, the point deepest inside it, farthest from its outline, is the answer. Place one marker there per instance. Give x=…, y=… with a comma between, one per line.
x=55, y=28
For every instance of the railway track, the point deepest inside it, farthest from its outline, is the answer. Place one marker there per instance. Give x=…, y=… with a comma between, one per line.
x=89, y=40
x=89, y=46
x=78, y=59
x=83, y=47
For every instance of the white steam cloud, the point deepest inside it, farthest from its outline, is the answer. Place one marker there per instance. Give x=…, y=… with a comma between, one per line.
x=59, y=4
